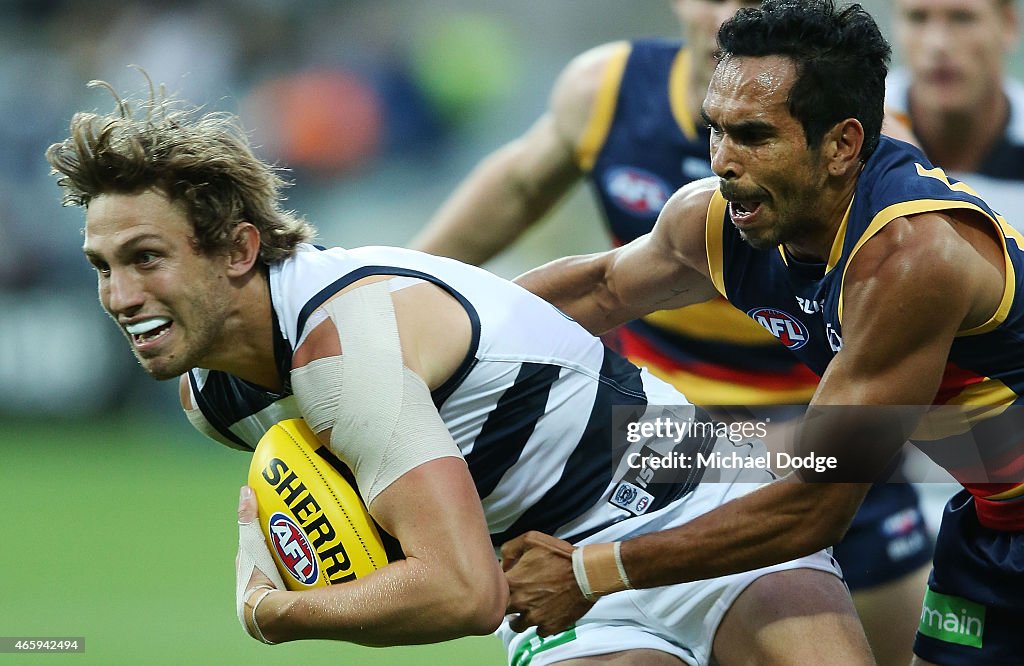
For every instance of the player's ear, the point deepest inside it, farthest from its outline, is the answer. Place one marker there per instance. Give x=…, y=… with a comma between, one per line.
x=245, y=249
x=842, y=146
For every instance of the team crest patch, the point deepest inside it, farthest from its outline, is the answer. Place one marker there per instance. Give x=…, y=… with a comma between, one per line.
x=788, y=329
x=636, y=191
x=631, y=498
x=293, y=548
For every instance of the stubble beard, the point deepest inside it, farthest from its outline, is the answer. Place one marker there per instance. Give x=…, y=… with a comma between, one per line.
x=196, y=341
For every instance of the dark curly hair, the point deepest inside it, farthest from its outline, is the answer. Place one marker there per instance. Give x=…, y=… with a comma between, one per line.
x=840, y=55
x=203, y=162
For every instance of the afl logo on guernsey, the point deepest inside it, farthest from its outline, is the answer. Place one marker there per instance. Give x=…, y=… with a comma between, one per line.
x=788, y=329
x=636, y=191
x=293, y=548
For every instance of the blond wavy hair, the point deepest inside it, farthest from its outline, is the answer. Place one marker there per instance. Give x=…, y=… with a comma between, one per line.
x=201, y=161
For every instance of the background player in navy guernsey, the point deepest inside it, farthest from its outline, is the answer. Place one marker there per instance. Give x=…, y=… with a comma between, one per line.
x=503, y=421
x=917, y=283
x=626, y=118
x=954, y=92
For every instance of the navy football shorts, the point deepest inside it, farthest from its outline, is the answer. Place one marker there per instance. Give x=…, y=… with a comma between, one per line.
x=974, y=609
x=887, y=539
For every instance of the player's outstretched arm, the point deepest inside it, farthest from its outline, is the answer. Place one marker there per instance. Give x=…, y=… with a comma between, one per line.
x=662, y=270
x=514, y=187
x=779, y=522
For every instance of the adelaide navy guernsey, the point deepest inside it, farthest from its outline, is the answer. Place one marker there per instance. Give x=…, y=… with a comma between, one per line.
x=802, y=305
x=640, y=146
x=530, y=408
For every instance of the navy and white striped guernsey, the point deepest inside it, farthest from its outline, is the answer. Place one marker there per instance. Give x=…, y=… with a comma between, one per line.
x=530, y=408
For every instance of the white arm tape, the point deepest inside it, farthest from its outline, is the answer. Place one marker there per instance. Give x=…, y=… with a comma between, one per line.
x=252, y=554
x=384, y=421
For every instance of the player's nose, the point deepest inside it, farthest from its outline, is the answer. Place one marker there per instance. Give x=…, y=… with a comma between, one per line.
x=124, y=294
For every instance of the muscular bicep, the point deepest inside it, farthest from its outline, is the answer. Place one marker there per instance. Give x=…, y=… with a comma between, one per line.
x=899, y=320
x=900, y=316
x=435, y=512
x=667, y=268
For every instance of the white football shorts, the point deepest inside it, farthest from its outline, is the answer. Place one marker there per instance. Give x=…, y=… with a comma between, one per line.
x=678, y=619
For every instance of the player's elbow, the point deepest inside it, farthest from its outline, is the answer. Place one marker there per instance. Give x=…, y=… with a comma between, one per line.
x=832, y=512
x=482, y=601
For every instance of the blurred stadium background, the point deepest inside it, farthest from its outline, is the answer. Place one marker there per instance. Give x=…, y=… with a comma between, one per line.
x=119, y=519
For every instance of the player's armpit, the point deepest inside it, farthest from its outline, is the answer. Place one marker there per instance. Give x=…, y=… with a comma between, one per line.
x=198, y=419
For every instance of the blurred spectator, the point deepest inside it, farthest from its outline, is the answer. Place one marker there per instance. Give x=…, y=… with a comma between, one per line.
x=955, y=95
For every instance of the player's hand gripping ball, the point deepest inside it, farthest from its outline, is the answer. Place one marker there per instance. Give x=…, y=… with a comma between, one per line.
x=316, y=525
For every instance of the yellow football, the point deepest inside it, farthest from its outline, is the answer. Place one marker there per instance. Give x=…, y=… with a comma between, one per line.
x=314, y=521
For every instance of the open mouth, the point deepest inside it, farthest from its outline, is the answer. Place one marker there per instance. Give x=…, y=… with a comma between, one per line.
x=743, y=212
x=148, y=330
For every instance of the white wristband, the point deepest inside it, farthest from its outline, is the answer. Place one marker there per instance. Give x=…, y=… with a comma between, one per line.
x=599, y=571
x=264, y=593
x=620, y=566
x=580, y=571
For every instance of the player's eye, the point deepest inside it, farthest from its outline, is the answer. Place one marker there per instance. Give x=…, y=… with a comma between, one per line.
x=146, y=257
x=962, y=18
x=101, y=268
x=916, y=17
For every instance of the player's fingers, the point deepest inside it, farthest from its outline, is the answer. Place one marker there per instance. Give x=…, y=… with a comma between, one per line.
x=512, y=550
x=247, y=508
x=520, y=623
x=545, y=629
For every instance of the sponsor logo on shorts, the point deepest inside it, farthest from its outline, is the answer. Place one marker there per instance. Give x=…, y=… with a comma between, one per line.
x=788, y=329
x=293, y=548
x=904, y=534
x=636, y=191
x=901, y=522
x=631, y=498
x=952, y=619
x=524, y=654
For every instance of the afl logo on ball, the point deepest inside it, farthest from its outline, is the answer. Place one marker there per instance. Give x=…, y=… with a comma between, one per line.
x=636, y=191
x=788, y=329
x=293, y=549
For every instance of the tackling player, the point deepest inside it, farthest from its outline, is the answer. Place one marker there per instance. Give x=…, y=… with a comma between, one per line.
x=626, y=117
x=915, y=280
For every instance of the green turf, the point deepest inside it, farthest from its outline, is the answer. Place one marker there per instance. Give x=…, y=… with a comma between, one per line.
x=124, y=533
